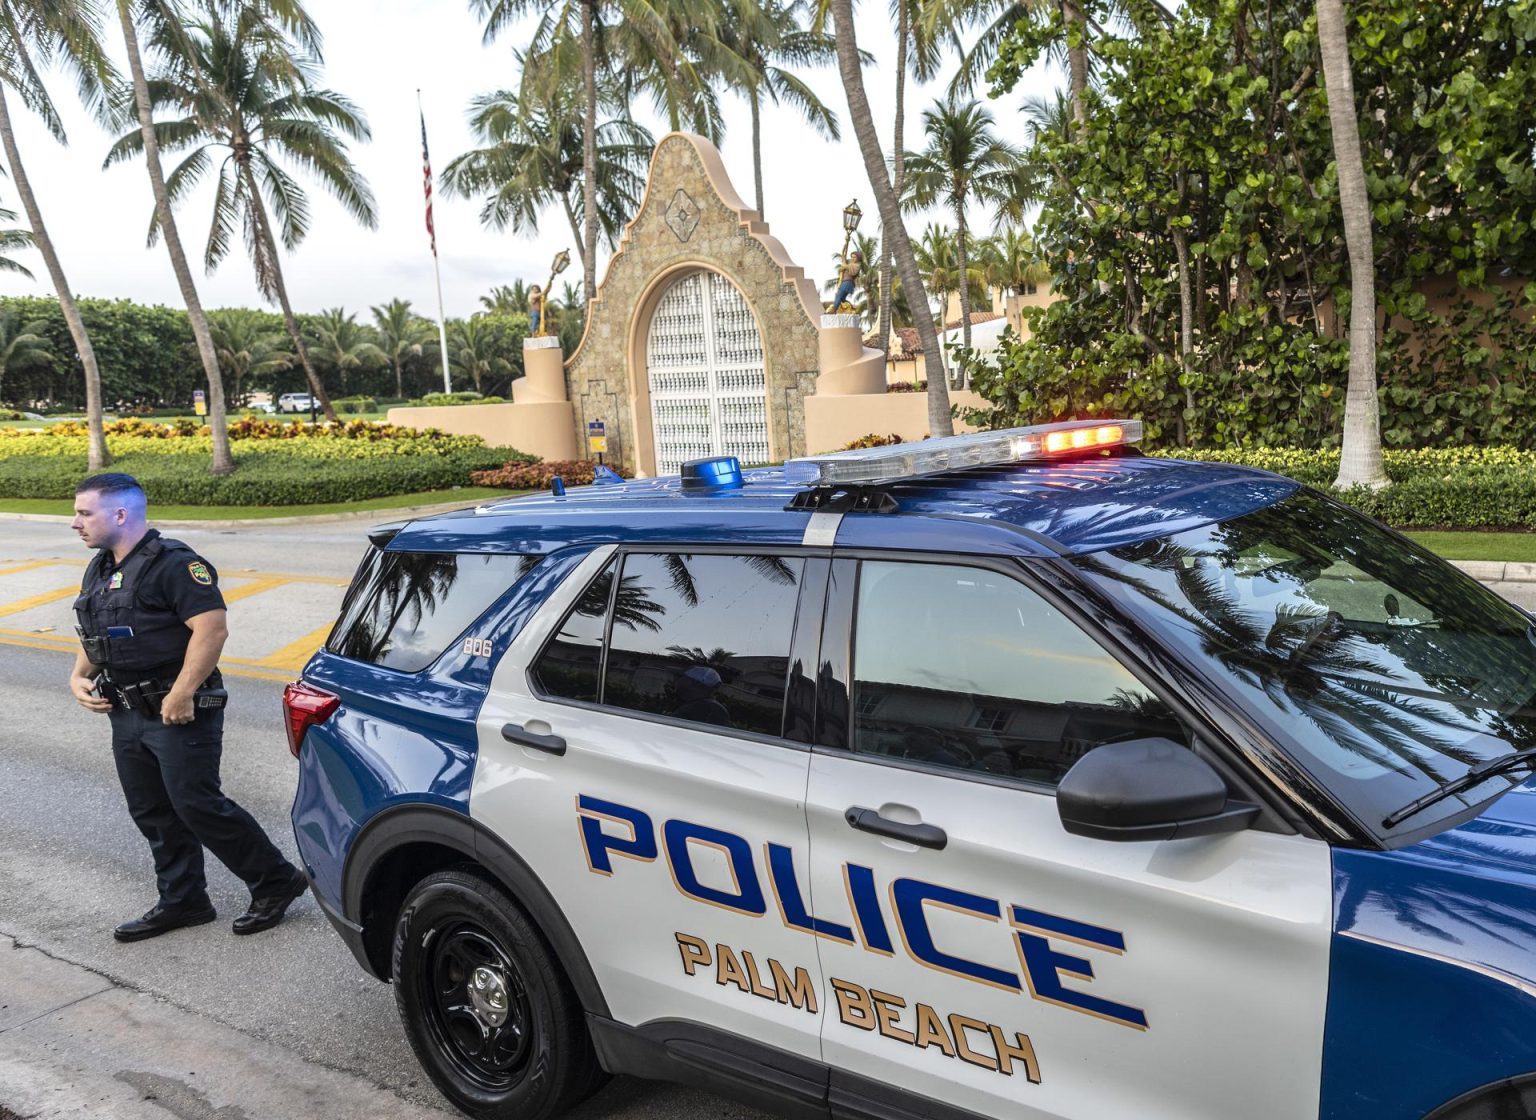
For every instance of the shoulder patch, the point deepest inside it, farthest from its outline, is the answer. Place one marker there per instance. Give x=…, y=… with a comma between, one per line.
x=200, y=573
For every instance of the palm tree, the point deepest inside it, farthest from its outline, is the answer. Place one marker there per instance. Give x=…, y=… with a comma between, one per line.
x=1021, y=269
x=12, y=240
x=22, y=345
x=506, y=299
x=242, y=97
x=636, y=27
x=65, y=32
x=340, y=344
x=917, y=50
x=963, y=162
x=1360, y=459
x=402, y=334
x=533, y=156
x=162, y=18
x=471, y=347
x=938, y=262
x=247, y=343
x=940, y=423
x=764, y=37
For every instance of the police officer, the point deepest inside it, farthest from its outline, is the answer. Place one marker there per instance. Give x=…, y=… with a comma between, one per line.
x=152, y=626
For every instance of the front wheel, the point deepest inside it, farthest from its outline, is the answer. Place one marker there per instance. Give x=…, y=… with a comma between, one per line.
x=485, y=1005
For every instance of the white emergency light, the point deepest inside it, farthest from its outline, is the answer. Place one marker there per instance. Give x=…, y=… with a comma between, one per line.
x=873, y=465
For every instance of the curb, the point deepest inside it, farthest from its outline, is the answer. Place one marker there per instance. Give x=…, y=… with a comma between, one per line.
x=1497, y=571
x=378, y=516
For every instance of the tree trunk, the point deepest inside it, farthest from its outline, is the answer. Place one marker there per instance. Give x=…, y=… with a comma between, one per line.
x=940, y=422
x=280, y=289
x=570, y=216
x=757, y=150
x=1186, y=307
x=899, y=159
x=97, y=456
x=1077, y=58
x=965, y=283
x=223, y=462
x=1360, y=461
x=589, y=149
x=399, y=379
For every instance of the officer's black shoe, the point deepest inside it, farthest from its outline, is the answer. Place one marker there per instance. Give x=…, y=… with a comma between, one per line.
x=267, y=912
x=164, y=919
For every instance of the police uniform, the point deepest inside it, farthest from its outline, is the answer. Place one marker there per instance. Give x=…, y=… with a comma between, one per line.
x=132, y=620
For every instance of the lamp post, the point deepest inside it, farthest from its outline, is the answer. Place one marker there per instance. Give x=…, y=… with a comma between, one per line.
x=561, y=262
x=851, y=216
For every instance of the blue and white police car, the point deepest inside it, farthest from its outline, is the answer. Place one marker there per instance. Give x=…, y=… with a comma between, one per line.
x=1015, y=775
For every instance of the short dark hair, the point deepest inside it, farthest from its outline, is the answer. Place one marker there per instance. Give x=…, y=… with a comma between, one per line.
x=112, y=482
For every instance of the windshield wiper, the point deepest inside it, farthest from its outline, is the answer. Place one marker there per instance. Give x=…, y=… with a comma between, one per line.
x=1475, y=775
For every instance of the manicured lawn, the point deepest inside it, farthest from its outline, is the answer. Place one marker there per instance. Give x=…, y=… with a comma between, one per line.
x=469, y=495
x=1509, y=547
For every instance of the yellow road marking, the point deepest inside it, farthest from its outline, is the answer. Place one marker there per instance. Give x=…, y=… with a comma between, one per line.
x=232, y=666
x=255, y=587
x=296, y=653
x=31, y=566
x=46, y=597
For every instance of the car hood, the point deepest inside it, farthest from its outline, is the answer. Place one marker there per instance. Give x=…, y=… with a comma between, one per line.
x=1465, y=896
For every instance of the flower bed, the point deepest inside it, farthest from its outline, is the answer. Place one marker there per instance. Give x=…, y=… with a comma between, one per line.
x=277, y=464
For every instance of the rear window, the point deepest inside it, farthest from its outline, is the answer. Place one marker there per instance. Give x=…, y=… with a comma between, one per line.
x=406, y=608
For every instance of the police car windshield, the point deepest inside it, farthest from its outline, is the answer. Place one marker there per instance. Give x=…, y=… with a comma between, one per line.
x=1387, y=671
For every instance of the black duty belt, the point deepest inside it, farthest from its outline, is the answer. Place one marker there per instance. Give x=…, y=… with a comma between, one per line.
x=146, y=696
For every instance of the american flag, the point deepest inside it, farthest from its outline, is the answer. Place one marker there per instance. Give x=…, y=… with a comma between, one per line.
x=426, y=182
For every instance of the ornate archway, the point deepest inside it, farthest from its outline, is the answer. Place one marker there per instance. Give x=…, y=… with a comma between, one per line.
x=705, y=368
x=726, y=283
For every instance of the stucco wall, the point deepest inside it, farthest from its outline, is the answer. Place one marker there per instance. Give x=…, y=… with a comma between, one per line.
x=542, y=429
x=834, y=422
x=692, y=219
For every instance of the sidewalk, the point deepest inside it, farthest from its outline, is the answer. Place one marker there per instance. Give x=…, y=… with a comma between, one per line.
x=76, y=1046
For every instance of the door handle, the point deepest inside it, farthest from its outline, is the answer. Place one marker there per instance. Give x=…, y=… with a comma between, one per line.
x=923, y=835
x=539, y=741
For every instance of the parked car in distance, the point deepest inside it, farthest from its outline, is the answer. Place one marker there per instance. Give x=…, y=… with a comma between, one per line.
x=296, y=402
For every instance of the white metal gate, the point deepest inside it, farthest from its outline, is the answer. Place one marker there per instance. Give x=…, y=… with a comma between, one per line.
x=704, y=360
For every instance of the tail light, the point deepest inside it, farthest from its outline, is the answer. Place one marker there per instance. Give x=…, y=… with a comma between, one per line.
x=306, y=706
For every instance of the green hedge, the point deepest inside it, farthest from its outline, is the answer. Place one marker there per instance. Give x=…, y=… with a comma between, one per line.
x=269, y=472
x=1432, y=488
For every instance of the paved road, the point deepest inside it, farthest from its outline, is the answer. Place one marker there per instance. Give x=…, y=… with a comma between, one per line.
x=72, y=865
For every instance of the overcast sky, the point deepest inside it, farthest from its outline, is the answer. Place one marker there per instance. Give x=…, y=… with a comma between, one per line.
x=378, y=54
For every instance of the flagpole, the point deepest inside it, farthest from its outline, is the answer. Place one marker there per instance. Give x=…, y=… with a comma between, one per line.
x=437, y=270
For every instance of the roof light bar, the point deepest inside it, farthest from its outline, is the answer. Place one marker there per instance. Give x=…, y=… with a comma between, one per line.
x=871, y=465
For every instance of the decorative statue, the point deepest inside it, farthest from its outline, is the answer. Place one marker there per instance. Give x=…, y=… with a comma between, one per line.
x=848, y=275
x=535, y=309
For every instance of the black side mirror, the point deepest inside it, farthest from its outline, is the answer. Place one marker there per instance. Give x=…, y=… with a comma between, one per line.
x=1147, y=789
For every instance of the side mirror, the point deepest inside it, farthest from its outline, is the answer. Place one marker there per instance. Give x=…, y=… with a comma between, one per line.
x=1147, y=789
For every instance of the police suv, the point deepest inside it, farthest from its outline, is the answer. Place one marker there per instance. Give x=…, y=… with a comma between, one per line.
x=1013, y=775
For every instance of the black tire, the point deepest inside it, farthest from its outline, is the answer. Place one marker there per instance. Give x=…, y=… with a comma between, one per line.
x=517, y=1047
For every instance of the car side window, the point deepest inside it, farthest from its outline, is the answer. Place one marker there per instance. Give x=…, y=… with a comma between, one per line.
x=704, y=638
x=968, y=668
x=571, y=665
x=408, y=607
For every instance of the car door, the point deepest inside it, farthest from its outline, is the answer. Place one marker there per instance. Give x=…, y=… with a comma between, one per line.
x=633, y=753
x=979, y=955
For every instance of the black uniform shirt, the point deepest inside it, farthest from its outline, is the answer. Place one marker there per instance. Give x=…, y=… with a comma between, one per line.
x=154, y=600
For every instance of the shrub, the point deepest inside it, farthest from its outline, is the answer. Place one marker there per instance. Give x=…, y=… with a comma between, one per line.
x=907, y=387
x=872, y=440
x=345, y=405
x=443, y=400
x=538, y=476
x=337, y=464
x=1438, y=487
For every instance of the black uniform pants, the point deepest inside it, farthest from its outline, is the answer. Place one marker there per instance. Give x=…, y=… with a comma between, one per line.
x=170, y=776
